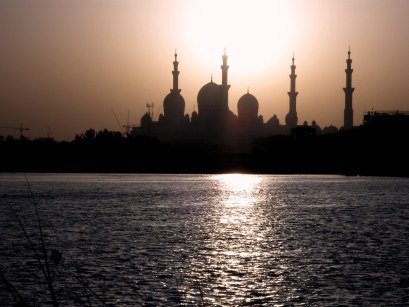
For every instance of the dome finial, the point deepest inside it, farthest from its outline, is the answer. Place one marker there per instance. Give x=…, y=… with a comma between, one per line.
x=176, y=54
x=293, y=57
x=349, y=52
x=211, y=78
x=248, y=89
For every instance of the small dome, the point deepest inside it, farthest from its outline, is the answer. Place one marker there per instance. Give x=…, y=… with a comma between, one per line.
x=173, y=99
x=291, y=120
x=274, y=121
x=193, y=118
x=174, y=106
x=247, y=106
x=146, y=120
x=187, y=119
x=208, y=98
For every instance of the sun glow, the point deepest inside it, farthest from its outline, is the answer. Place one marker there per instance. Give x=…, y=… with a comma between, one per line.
x=256, y=34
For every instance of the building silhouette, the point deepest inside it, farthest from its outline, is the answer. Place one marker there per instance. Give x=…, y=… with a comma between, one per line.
x=348, y=112
x=215, y=123
x=387, y=122
x=291, y=119
x=249, y=122
x=174, y=104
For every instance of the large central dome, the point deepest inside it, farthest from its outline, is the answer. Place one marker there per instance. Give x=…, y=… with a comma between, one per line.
x=209, y=98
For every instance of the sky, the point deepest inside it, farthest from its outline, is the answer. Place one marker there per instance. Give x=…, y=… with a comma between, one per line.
x=67, y=66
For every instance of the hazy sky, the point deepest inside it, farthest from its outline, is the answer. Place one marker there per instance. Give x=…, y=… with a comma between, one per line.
x=66, y=64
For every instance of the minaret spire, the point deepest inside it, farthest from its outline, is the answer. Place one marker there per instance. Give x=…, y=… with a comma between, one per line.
x=348, y=89
x=225, y=86
x=175, y=74
x=291, y=119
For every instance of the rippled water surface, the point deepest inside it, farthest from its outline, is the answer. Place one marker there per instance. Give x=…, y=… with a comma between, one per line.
x=207, y=239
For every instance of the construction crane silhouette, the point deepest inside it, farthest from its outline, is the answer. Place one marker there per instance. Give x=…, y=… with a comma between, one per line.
x=125, y=129
x=117, y=121
x=128, y=127
x=49, y=132
x=20, y=129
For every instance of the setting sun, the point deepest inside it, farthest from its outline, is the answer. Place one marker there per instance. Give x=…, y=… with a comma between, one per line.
x=256, y=34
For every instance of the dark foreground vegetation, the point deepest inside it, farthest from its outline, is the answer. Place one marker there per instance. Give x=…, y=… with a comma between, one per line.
x=362, y=151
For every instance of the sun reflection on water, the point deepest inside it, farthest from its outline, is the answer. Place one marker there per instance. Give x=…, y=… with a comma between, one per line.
x=239, y=193
x=235, y=236
x=241, y=190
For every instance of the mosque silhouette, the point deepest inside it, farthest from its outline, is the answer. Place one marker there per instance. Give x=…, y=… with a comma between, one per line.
x=215, y=123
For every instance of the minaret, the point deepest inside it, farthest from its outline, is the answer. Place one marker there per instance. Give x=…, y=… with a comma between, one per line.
x=225, y=86
x=348, y=112
x=291, y=119
x=175, y=74
x=174, y=104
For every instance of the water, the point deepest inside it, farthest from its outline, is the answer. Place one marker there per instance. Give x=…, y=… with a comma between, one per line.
x=208, y=239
